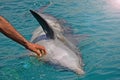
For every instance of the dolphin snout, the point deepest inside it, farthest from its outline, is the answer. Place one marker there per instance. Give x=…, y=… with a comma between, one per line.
x=79, y=71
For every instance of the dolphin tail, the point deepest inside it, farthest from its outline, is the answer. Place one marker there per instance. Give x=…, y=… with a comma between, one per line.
x=41, y=10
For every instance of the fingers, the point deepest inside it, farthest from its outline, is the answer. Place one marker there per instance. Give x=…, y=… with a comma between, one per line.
x=38, y=53
x=41, y=50
x=38, y=49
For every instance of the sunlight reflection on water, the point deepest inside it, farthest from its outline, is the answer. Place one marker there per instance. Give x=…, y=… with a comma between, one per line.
x=114, y=4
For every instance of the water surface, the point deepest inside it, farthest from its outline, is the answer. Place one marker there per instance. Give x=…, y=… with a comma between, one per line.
x=100, y=19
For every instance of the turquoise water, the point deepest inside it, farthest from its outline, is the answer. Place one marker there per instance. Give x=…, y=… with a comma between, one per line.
x=99, y=19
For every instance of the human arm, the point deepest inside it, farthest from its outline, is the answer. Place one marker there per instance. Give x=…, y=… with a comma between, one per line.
x=7, y=29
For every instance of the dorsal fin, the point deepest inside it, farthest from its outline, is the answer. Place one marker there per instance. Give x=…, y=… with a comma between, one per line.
x=49, y=32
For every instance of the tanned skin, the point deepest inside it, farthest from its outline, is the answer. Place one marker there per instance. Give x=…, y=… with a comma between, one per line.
x=7, y=29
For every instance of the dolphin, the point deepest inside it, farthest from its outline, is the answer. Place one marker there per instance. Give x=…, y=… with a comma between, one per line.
x=60, y=49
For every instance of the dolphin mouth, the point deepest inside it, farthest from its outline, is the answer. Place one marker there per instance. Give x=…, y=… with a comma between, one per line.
x=46, y=27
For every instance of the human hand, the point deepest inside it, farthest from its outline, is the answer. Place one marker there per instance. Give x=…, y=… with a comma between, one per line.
x=7, y=29
x=38, y=49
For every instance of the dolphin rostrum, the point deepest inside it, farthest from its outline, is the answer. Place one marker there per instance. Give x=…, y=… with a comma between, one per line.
x=60, y=50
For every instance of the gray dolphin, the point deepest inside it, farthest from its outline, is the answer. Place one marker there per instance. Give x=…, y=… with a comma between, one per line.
x=60, y=50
